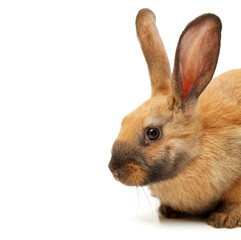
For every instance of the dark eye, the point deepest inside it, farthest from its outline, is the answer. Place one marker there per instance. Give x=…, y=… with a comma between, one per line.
x=153, y=134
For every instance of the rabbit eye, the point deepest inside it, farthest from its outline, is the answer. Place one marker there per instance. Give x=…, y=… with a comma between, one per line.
x=153, y=134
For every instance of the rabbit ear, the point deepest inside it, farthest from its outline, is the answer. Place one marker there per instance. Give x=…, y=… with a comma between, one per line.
x=196, y=58
x=154, y=52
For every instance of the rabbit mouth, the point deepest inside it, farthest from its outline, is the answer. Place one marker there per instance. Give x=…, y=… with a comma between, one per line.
x=130, y=174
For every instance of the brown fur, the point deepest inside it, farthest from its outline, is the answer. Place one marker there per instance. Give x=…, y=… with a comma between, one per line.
x=195, y=165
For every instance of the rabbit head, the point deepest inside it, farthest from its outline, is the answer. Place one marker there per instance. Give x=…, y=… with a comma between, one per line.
x=163, y=134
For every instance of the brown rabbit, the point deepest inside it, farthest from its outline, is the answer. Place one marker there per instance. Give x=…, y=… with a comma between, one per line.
x=185, y=143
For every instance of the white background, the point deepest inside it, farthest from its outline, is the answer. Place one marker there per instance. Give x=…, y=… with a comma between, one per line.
x=69, y=72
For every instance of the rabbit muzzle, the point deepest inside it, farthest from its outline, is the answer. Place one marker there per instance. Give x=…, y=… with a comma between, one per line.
x=127, y=165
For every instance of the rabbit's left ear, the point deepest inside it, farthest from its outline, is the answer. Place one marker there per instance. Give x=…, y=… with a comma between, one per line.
x=196, y=58
x=154, y=52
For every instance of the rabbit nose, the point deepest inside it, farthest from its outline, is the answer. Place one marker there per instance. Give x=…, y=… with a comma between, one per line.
x=116, y=173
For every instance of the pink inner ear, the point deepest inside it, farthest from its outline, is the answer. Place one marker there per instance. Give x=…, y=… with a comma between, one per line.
x=193, y=55
x=186, y=85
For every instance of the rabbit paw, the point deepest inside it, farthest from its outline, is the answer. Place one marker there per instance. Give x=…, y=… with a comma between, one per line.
x=228, y=217
x=169, y=212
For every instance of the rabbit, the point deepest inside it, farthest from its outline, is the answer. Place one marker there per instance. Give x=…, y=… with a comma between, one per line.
x=184, y=143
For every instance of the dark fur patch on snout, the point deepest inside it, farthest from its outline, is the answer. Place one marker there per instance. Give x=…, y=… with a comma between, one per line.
x=127, y=164
x=122, y=154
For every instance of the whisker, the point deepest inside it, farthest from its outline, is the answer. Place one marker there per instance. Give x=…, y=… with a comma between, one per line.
x=148, y=200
